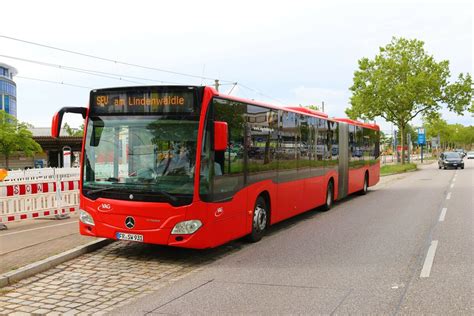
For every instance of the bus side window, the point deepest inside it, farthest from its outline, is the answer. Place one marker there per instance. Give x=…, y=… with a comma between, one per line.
x=262, y=139
x=229, y=163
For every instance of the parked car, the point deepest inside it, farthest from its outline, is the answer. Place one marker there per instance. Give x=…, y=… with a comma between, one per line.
x=461, y=152
x=450, y=159
x=470, y=155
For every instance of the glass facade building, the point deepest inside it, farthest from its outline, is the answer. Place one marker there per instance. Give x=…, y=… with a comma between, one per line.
x=8, y=89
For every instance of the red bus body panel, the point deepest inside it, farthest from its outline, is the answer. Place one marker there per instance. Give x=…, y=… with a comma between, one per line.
x=221, y=221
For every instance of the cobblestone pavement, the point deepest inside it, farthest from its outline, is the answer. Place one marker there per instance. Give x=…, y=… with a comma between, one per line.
x=101, y=281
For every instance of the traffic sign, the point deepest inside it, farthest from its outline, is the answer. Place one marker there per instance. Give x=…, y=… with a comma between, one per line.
x=421, y=136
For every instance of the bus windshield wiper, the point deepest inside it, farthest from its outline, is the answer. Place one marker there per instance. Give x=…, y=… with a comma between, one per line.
x=99, y=190
x=169, y=196
x=164, y=193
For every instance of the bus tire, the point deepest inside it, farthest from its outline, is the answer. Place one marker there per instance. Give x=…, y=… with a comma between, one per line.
x=365, y=187
x=259, y=220
x=329, y=197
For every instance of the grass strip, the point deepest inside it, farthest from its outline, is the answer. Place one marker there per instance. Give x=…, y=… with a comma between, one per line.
x=397, y=168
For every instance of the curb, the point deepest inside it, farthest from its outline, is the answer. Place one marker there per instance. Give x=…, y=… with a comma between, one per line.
x=45, y=264
x=391, y=174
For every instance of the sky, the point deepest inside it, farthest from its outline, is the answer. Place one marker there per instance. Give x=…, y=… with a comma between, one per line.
x=286, y=52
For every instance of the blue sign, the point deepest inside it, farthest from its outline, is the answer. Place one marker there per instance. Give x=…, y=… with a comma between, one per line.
x=39, y=163
x=421, y=136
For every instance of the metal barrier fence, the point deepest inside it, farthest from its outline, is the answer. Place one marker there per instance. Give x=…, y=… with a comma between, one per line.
x=38, y=193
x=387, y=159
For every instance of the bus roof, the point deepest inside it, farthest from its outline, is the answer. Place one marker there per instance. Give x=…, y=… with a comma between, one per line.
x=302, y=109
x=299, y=109
x=357, y=123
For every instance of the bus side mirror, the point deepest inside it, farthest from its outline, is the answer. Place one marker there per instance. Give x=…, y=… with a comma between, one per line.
x=58, y=118
x=220, y=136
x=56, y=124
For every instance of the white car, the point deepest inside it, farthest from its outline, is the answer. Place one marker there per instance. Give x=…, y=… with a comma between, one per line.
x=470, y=155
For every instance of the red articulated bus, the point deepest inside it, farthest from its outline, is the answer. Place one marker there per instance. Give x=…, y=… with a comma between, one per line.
x=187, y=166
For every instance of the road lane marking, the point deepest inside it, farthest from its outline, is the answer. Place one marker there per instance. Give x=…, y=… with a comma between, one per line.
x=426, y=270
x=33, y=229
x=448, y=197
x=452, y=185
x=443, y=214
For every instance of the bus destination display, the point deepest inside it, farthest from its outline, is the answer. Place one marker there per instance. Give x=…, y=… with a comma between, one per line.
x=114, y=102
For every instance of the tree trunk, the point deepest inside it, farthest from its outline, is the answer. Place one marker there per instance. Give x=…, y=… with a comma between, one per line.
x=402, y=142
x=6, y=161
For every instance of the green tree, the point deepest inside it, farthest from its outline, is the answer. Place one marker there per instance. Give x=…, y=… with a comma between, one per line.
x=74, y=131
x=403, y=81
x=435, y=127
x=451, y=135
x=314, y=107
x=15, y=137
x=468, y=137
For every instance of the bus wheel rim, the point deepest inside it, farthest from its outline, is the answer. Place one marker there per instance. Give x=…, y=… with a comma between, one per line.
x=329, y=196
x=260, y=218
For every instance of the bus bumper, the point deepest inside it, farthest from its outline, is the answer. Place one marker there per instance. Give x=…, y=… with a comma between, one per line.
x=160, y=236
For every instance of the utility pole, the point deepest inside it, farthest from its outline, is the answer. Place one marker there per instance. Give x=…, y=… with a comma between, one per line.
x=409, y=145
x=323, y=106
x=216, y=84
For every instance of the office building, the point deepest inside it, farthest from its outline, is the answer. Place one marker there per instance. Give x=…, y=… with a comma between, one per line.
x=8, y=89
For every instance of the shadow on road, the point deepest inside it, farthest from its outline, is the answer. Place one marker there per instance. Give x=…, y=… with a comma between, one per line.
x=192, y=257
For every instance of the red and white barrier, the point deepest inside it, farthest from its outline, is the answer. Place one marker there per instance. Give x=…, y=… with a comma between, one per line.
x=38, y=193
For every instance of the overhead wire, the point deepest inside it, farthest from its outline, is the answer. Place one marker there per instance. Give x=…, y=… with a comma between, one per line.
x=55, y=82
x=120, y=77
x=262, y=94
x=88, y=71
x=109, y=60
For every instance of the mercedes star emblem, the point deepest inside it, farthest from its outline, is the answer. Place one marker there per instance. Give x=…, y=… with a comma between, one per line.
x=129, y=222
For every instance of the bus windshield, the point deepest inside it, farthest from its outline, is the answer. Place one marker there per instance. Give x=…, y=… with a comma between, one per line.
x=142, y=157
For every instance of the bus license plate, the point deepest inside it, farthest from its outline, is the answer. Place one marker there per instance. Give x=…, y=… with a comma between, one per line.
x=131, y=237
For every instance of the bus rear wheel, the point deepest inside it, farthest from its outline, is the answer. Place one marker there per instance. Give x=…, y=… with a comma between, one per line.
x=329, y=197
x=259, y=220
x=365, y=188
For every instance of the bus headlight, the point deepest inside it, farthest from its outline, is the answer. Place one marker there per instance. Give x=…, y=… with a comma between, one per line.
x=86, y=218
x=186, y=227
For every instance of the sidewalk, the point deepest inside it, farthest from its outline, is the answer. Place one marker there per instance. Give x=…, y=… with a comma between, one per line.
x=29, y=241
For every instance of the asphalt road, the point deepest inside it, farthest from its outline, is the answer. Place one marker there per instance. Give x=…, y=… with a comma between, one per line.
x=404, y=248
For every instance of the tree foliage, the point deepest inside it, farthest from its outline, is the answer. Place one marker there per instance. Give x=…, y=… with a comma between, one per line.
x=403, y=81
x=314, y=107
x=74, y=131
x=15, y=137
x=451, y=135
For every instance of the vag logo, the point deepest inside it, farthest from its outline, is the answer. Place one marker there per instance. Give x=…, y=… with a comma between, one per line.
x=219, y=212
x=104, y=207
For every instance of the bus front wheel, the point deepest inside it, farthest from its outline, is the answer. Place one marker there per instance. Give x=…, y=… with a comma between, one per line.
x=259, y=220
